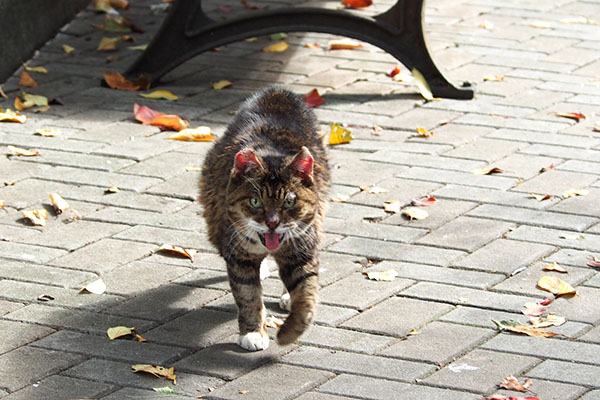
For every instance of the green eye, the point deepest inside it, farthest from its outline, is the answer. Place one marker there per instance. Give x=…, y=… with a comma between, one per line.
x=255, y=202
x=289, y=203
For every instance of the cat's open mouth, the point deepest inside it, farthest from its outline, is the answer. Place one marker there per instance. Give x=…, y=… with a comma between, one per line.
x=270, y=240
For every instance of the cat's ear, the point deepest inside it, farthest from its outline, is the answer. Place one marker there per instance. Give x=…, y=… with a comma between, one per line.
x=302, y=165
x=245, y=160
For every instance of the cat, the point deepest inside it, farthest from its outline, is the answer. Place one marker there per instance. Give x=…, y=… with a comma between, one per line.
x=264, y=187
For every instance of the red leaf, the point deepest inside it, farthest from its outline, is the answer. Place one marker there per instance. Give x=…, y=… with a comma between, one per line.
x=545, y=302
x=116, y=81
x=145, y=114
x=394, y=72
x=357, y=3
x=594, y=262
x=425, y=201
x=313, y=98
x=577, y=116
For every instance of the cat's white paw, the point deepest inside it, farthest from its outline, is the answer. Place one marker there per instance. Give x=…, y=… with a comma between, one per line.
x=253, y=341
x=265, y=268
x=285, y=302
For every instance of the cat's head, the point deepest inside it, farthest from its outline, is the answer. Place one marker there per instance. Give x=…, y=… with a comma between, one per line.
x=272, y=200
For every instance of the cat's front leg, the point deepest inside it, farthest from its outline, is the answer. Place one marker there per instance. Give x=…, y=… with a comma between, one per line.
x=244, y=280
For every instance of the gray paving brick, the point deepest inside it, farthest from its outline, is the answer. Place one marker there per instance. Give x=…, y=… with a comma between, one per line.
x=442, y=212
x=593, y=395
x=58, y=387
x=372, y=291
x=17, y=270
x=280, y=381
x=577, y=307
x=164, y=165
x=31, y=191
x=119, y=373
x=524, y=166
x=545, y=389
x=344, y=339
x=511, y=123
x=556, y=182
x=397, y=316
x=9, y=306
x=466, y=233
x=130, y=216
x=80, y=160
x=183, y=186
x=480, y=370
x=563, y=152
x=361, y=364
x=580, y=205
x=17, y=334
x=556, y=237
x=456, y=135
x=545, y=138
x=421, y=117
x=370, y=230
x=319, y=396
x=349, y=171
x=459, y=178
x=403, y=190
x=587, y=167
x=567, y=372
x=139, y=277
x=378, y=250
x=129, y=393
x=593, y=335
x=484, y=149
x=159, y=236
x=59, y=143
x=47, y=363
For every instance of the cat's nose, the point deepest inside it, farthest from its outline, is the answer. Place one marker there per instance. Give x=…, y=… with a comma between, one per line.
x=272, y=219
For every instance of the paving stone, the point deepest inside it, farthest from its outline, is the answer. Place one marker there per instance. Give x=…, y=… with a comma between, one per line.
x=504, y=256
x=332, y=316
x=397, y=316
x=164, y=165
x=17, y=270
x=459, y=178
x=104, y=255
x=423, y=160
x=577, y=308
x=372, y=292
x=556, y=237
x=361, y=364
x=31, y=191
x=593, y=395
x=556, y=182
x=421, y=117
x=58, y=387
x=563, y=152
x=485, y=149
x=280, y=381
x=119, y=373
x=586, y=167
x=567, y=372
x=9, y=306
x=480, y=370
x=378, y=250
x=553, y=138
x=402, y=190
x=372, y=230
x=524, y=166
x=533, y=217
x=17, y=334
x=580, y=205
x=443, y=212
x=183, y=186
x=466, y=233
x=347, y=170
x=160, y=236
x=80, y=160
x=139, y=277
x=544, y=389
x=319, y=396
x=511, y=123
x=130, y=216
x=344, y=339
x=47, y=363
x=136, y=394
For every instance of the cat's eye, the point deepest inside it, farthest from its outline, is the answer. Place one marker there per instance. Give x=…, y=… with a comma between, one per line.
x=255, y=202
x=289, y=202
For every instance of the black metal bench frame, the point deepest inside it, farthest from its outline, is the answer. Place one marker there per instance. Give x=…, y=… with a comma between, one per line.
x=187, y=31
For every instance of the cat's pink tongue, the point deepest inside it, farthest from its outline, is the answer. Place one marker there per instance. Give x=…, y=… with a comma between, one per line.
x=271, y=240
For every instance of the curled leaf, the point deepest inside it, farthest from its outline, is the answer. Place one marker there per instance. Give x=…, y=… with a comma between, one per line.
x=48, y=132
x=96, y=287
x=199, y=134
x=394, y=71
x=575, y=192
x=487, y=171
x=577, y=116
x=108, y=44
x=357, y=3
x=12, y=116
x=548, y=321
x=554, y=267
x=117, y=81
x=67, y=49
x=160, y=95
x=344, y=44
x=178, y=251
x=556, y=286
x=167, y=122
x=221, y=85
x=540, y=197
x=512, y=383
x=59, y=204
x=313, y=98
x=392, y=206
x=424, y=202
x=339, y=135
x=386, y=276
x=424, y=132
x=278, y=47
x=594, y=262
x=422, y=84
x=493, y=78
x=36, y=217
x=111, y=189
x=119, y=331
x=17, y=151
x=37, y=70
x=273, y=322
x=155, y=370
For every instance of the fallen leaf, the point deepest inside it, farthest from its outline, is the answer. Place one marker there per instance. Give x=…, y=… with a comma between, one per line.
x=225, y=8
x=113, y=58
x=199, y=134
x=512, y=383
x=178, y=251
x=340, y=198
x=572, y=236
x=594, y=262
x=155, y=370
x=165, y=390
x=554, y=267
x=545, y=302
x=2, y=94
x=556, y=286
x=140, y=339
x=253, y=6
x=413, y=332
x=48, y=132
x=533, y=309
x=548, y=168
x=548, y=321
x=2, y=203
x=540, y=197
x=572, y=115
x=424, y=132
x=386, y=276
x=278, y=47
x=540, y=25
x=415, y=213
x=168, y=122
x=575, y=192
x=344, y=44
x=27, y=80
x=596, y=124
x=314, y=45
x=12, y=116
x=45, y=298
x=117, y=81
x=376, y=190
x=273, y=322
x=339, y=135
x=111, y=189
x=244, y=391
x=422, y=84
x=119, y=331
x=67, y=49
x=357, y=3
x=486, y=25
x=116, y=23
x=108, y=44
x=278, y=36
x=36, y=217
x=144, y=114
x=424, y=202
x=59, y=204
x=37, y=70
x=487, y=171
x=122, y=4
x=19, y=106
x=30, y=100
x=394, y=71
x=160, y=95
x=516, y=327
x=493, y=78
x=96, y=287
x=579, y=20
x=17, y=151
x=313, y=98
x=139, y=47
x=102, y=6
x=221, y=85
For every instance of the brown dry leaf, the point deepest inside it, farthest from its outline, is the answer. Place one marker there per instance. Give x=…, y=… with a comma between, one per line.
x=59, y=204
x=415, y=213
x=385, y=276
x=167, y=122
x=424, y=132
x=27, y=80
x=487, y=171
x=493, y=78
x=344, y=44
x=48, y=132
x=340, y=198
x=117, y=81
x=67, y=49
x=556, y=286
x=554, y=267
x=178, y=251
x=392, y=206
x=596, y=124
x=17, y=151
x=119, y=331
x=548, y=168
x=111, y=189
x=575, y=192
x=36, y=217
x=155, y=370
x=395, y=71
x=512, y=383
x=540, y=197
x=339, y=135
x=96, y=287
x=577, y=116
x=12, y=116
x=140, y=339
x=199, y=134
x=548, y=321
x=594, y=262
x=278, y=47
x=273, y=322
x=108, y=44
x=2, y=203
x=160, y=95
x=221, y=84
x=516, y=327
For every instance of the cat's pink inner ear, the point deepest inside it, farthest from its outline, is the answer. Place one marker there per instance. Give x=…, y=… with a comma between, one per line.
x=245, y=160
x=302, y=164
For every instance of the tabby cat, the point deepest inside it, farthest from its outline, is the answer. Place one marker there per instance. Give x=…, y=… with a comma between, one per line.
x=264, y=187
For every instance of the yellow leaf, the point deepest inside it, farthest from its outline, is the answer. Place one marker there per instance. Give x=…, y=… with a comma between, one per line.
x=424, y=132
x=111, y=189
x=392, y=206
x=493, y=78
x=119, y=331
x=38, y=70
x=108, y=44
x=422, y=84
x=554, y=267
x=575, y=192
x=199, y=134
x=415, y=213
x=221, y=85
x=17, y=151
x=278, y=47
x=339, y=135
x=579, y=20
x=545, y=322
x=67, y=49
x=36, y=217
x=96, y=287
x=11, y=116
x=59, y=204
x=160, y=95
x=35, y=100
x=178, y=251
x=386, y=276
x=344, y=44
x=2, y=203
x=48, y=132
x=556, y=286
x=540, y=24
x=155, y=370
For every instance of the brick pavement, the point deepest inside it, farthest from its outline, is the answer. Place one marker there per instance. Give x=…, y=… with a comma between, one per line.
x=427, y=335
